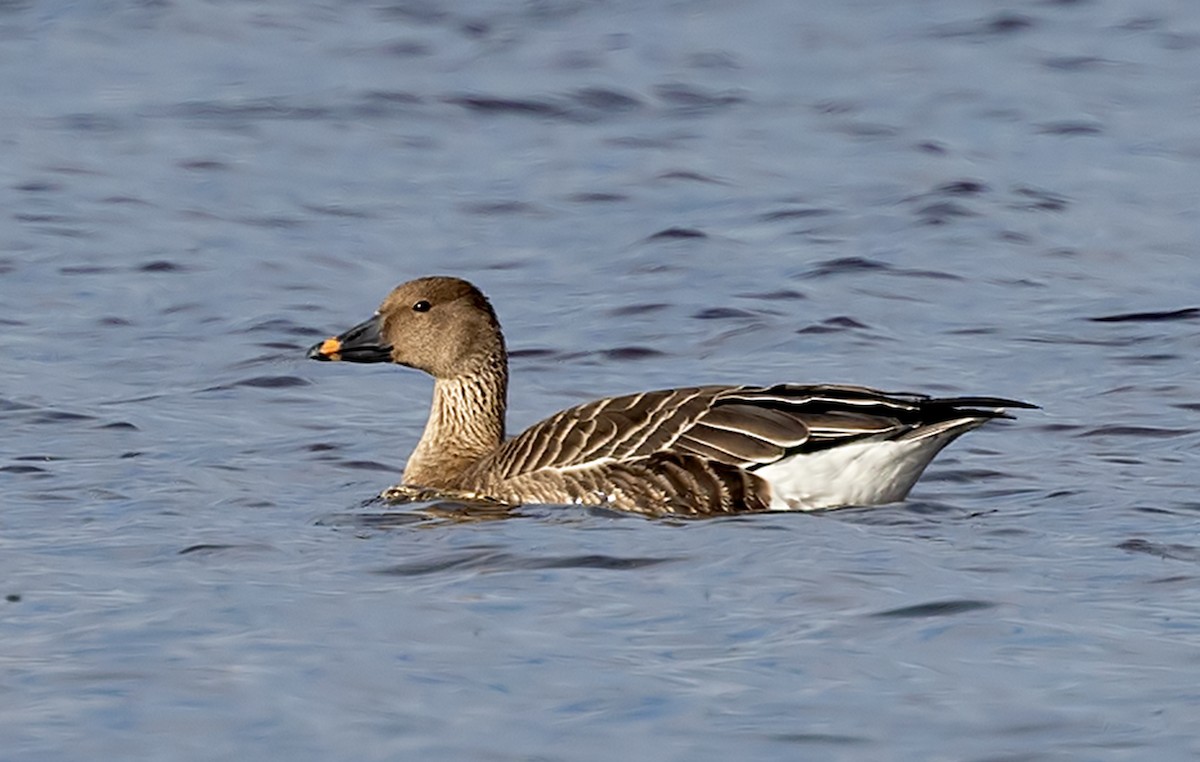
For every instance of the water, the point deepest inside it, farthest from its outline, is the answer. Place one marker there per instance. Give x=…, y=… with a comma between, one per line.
x=954, y=197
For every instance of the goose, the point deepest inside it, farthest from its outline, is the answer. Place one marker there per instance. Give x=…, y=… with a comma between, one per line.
x=690, y=452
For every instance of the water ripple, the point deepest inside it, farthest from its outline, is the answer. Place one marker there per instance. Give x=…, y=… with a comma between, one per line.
x=935, y=608
x=1187, y=313
x=1173, y=551
x=490, y=560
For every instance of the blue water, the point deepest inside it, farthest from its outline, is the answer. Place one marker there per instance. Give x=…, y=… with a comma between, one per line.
x=944, y=196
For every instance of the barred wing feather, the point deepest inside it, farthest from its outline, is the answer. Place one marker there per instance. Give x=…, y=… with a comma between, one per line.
x=743, y=426
x=607, y=430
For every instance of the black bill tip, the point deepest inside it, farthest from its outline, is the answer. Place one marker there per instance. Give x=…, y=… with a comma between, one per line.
x=362, y=343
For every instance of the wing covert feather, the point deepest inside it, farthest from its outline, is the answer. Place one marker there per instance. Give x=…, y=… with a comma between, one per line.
x=611, y=429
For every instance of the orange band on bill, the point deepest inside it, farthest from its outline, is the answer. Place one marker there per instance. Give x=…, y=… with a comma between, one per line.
x=330, y=347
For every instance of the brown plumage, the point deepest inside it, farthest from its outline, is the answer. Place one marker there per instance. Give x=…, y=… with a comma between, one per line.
x=691, y=451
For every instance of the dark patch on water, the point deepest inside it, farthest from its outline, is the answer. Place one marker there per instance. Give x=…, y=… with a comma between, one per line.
x=783, y=294
x=714, y=59
x=484, y=104
x=1146, y=432
x=928, y=274
x=1140, y=360
x=214, y=549
x=722, y=313
x=637, y=309
x=493, y=208
x=845, y=265
x=273, y=382
x=92, y=123
x=942, y=212
x=1075, y=63
x=962, y=188
x=689, y=176
x=961, y=475
x=605, y=100
x=424, y=13
x=973, y=331
x=366, y=465
x=43, y=218
x=406, y=49
x=203, y=165
x=384, y=104
x=162, y=266
x=819, y=739
x=677, y=234
x=836, y=107
x=935, y=608
x=597, y=197
x=1070, y=128
x=22, y=470
x=1038, y=200
x=794, y=214
x=1155, y=510
x=59, y=416
x=1179, y=41
x=130, y=200
x=1173, y=551
x=488, y=560
x=476, y=29
x=1001, y=24
x=253, y=109
x=337, y=210
x=274, y=223
x=632, y=353
x=38, y=186
x=85, y=270
x=66, y=232
x=512, y=264
x=834, y=325
x=1187, y=313
x=866, y=130
x=692, y=99
x=931, y=147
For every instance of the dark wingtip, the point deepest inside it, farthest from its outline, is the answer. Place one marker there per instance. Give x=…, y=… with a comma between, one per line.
x=993, y=402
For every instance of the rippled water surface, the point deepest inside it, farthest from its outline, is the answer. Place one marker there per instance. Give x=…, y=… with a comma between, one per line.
x=952, y=196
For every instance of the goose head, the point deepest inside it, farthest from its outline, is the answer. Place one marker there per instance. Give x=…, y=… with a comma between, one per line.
x=442, y=325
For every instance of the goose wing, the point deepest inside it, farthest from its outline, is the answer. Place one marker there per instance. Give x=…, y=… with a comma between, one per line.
x=742, y=426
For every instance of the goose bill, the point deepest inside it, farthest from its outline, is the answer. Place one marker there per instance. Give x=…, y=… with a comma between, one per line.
x=362, y=343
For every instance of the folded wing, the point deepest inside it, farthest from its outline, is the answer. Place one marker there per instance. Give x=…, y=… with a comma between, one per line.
x=741, y=426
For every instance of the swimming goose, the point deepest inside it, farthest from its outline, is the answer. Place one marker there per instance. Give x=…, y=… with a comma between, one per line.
x=694, y=451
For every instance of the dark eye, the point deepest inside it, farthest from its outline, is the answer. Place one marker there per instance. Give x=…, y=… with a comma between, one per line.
x=422, y=306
